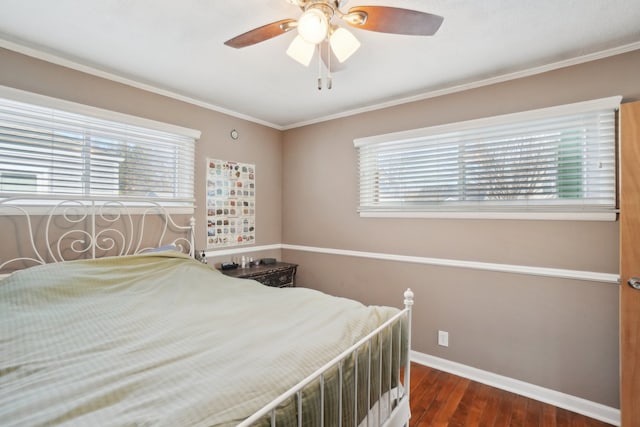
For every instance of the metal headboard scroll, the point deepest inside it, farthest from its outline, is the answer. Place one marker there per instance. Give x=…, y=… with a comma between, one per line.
x=55, y=230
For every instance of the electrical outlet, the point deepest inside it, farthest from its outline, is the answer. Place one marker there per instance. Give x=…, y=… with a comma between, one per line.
x=443, y=338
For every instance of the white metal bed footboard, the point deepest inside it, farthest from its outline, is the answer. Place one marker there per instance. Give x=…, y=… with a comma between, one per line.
x=396, y=399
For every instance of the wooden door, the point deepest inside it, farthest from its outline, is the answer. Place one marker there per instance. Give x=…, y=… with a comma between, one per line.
x=630, y=264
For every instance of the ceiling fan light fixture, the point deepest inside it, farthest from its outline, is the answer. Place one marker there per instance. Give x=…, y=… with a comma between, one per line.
x=343, y=43
x=313, y=26
x=301, y=50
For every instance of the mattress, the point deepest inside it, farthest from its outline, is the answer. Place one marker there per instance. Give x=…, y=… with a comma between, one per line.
x=160, y=339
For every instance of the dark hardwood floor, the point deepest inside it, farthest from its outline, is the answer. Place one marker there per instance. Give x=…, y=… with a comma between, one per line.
x=442, y=399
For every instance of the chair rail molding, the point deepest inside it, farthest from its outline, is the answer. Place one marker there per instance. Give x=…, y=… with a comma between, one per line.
x=591, y=276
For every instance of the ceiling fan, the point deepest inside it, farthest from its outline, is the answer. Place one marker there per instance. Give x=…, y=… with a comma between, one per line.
x=319, y=25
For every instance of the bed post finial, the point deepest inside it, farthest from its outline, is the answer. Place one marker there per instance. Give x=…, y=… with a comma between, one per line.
x=408, y=297
x=192, y=237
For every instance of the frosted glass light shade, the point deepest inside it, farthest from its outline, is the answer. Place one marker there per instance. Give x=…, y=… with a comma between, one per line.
x=313, y=26
x=343, y=43
x=301, y=50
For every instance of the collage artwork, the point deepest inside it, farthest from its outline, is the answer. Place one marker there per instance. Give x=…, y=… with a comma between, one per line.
x=231, y=203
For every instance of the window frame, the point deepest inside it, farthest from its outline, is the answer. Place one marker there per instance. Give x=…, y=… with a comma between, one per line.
x=483, y=209
x=38, y=201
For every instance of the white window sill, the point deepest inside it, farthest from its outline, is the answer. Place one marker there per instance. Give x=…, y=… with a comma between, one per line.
x=550, y=216
x=67, y=205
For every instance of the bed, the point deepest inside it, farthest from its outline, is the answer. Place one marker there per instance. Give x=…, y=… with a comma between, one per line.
x=152, y=336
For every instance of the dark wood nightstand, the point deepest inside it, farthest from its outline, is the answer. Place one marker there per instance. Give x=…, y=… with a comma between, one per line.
x=279, y=275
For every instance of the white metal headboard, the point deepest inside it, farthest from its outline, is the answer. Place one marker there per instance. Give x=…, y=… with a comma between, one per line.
x=40, y=231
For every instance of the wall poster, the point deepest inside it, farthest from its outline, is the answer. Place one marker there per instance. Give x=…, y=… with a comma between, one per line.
x=231, y=203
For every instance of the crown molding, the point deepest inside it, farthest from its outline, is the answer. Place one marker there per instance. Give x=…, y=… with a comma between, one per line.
x=75, y=65
x=477, y=84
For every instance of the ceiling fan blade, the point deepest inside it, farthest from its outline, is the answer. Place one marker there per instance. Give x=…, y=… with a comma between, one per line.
x=261, y=34
x=393, y=20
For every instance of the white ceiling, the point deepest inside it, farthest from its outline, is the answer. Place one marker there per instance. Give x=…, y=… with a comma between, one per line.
x=176, y=47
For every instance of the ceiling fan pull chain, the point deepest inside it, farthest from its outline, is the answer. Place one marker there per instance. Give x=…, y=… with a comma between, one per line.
x=319, y=66
x=329, y=66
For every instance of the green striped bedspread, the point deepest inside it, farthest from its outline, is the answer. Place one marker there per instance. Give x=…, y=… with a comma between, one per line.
x=160, y=339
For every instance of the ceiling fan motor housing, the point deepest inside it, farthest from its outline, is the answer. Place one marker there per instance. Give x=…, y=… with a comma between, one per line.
x=306, y=3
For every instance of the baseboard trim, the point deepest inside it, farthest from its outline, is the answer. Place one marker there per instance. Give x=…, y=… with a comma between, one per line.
x=561, y=400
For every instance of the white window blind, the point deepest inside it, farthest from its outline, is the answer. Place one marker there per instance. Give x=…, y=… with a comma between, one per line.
x=548, y=162
x=47, y=151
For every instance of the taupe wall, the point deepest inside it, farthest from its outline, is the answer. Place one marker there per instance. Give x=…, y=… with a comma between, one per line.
x=561, y=334
x=557, y=333
x=257, y=144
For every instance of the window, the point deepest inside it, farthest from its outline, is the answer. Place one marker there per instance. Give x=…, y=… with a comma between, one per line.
x=54, y=148
x=556, y=163
x=18, y=182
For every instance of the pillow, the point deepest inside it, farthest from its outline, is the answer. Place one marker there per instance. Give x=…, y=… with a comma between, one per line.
x=165, y=248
